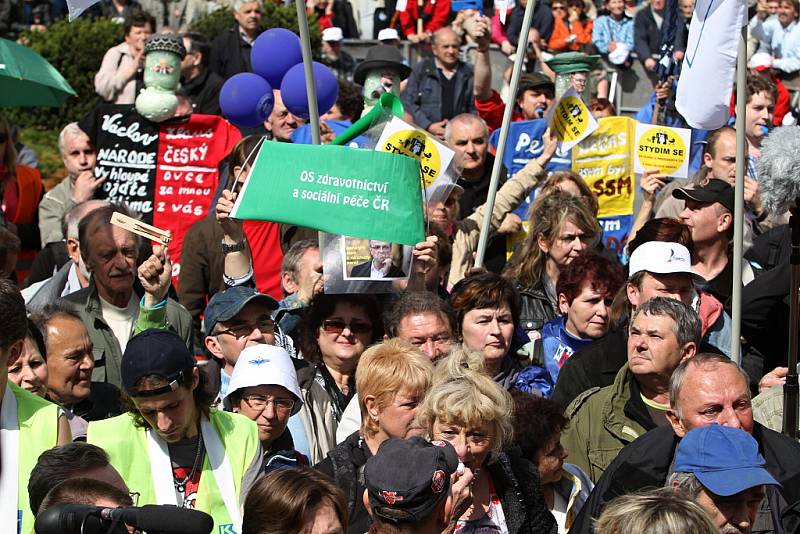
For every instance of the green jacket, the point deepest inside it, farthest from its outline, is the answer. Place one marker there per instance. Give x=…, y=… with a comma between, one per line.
x=107, y=351
x=598, y=426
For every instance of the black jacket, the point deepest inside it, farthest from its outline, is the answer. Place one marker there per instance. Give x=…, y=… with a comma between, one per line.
x=516, y=481
x=203, y=92
x=230, y=54
x=535, y=307
x=363, y=270
x=423, y=95
x=646, y=35
x=345, y=465
x=647, y=463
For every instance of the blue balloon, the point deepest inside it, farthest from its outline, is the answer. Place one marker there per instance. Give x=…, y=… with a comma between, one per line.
x=275, y=52
x=246, y=99
x=293, y=90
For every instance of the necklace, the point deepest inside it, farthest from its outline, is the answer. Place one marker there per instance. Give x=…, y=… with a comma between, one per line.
x=180, y=484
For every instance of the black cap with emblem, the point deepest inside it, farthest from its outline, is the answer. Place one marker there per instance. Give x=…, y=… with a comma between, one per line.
x=408, y=478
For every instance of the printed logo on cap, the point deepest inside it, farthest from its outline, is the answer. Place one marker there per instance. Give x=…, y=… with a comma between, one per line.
x=439, y=443
x=438, y=480
x=391, y=497
x=258, y=361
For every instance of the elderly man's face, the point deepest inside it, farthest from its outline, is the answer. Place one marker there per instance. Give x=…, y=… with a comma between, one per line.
x=112, y=258
x=281, y=122
x=428, y=331
x=469, y=140
x=445, y=47
x=653, y=348
x=786, y=13
x=734, y=514
x=712, y=393
x=69, y=360
x=380, y=251
x=248, y=16
x=78, y=154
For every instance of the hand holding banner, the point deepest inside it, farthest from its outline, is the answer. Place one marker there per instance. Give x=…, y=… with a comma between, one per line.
x=339, y=190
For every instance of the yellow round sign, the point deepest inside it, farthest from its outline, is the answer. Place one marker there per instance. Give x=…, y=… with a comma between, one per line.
x=662, y=149
x=417, y=145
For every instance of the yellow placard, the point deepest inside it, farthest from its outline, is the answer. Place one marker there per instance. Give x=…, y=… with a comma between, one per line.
x=604, y=161
x=399, y=137
x=662, y=148
x=571, y=120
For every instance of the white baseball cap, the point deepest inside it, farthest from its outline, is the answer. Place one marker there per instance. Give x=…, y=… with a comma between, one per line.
x=332, y=34
x=266, y=365
x=388, y=34
x=662, y=257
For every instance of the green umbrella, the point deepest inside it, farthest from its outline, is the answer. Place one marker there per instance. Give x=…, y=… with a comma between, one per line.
x=27, y=79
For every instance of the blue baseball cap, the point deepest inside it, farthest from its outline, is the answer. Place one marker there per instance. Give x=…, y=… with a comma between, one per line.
x=724, y=459
x=224, y=305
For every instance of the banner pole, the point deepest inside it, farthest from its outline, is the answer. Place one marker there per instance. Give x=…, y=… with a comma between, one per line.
x=522, y=46
x=738, y=219
x=311, y=87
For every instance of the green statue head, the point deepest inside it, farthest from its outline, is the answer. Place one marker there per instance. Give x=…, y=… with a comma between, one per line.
x=378, y=81
x=163, y=55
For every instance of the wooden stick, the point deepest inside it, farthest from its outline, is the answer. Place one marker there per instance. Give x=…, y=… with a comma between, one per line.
x=143, y=229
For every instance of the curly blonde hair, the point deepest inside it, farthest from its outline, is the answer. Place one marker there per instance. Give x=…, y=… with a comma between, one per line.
x=463, y=394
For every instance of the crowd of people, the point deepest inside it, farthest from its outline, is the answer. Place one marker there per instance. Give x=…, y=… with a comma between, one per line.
x=562, y=387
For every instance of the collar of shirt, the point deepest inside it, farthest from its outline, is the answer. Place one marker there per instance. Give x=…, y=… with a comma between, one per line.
x=246, y=38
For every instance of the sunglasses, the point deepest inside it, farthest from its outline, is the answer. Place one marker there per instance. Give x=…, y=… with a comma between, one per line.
x=337, y=326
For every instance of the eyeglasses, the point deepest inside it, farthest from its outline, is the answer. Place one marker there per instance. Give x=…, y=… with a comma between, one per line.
x=259, y=402
x=265, y=325
x=473, y=439
x=134, y=497
x=337, y=326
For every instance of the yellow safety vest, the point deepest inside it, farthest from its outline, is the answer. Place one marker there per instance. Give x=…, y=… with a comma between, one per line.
x=38, y=432
x=127, y=448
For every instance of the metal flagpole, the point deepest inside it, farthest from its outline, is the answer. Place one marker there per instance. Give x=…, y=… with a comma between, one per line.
x=311, y=87
x=522, y=46
x=738, y=219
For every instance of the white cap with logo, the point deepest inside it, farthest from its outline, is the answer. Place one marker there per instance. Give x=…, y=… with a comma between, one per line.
x=661, y=257
x=266, y=365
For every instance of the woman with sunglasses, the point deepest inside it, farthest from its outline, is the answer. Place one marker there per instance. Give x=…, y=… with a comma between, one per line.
x=392, y=379
x=21, y=189
x=572, y=29
x=468, y=409
x=334, y=332
x=264, y=388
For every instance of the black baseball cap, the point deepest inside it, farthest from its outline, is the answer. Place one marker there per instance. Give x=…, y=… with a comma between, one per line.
x=156, y=352
x=408, y=478
x=714, y=191
x=534, y=80
x=224, y=305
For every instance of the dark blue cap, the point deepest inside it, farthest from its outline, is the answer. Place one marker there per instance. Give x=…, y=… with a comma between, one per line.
x=724, y=459
x=224, y=305
x=408, y=478
x=156, y=352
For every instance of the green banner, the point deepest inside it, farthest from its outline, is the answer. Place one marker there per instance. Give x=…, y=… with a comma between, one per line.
x=336, y=189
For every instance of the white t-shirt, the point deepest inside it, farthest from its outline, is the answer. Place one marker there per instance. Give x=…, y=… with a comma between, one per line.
x=120, y=320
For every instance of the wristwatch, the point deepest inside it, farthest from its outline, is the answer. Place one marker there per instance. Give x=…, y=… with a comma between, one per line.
x=236, y=247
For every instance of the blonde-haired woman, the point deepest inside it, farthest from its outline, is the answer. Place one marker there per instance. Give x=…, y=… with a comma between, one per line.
x=561, y=227
x=391, y=380
x=468, y=409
